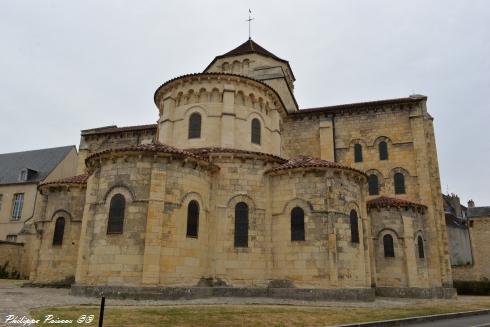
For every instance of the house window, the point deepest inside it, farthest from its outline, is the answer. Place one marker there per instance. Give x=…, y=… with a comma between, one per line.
x=192, y=219
x=195, y=126
x=399, y=181
x=388, y=246
x=373, y=184
x=354, y=227
x=241, y=225
x=12, y=238
x=357, y=153
x=383, y=150
x=116, y=214
x=255, y=131
x=18, y=202
x=23, y=175
x=297, y=224
x=59, y=230
x=420, y=246
x=1, y=198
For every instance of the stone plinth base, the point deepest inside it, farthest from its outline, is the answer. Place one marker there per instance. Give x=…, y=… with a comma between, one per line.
x=417, y=292
x=187, y=293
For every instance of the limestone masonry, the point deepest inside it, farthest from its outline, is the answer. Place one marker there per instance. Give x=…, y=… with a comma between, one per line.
x=237, y=191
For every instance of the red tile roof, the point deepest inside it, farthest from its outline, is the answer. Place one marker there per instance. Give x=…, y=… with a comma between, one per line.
x=384, y=201
x=78, y=179
x=204, y=152
x=310, y=162
x=154, y=147
x=114, y=129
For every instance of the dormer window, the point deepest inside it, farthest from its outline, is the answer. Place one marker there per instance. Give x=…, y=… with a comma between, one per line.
x=23, y=175
x=26, y=174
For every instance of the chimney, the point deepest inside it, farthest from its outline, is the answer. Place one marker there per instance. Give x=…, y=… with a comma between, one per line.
x=471, y=204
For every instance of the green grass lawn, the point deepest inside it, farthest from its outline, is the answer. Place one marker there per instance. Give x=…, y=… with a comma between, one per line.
x=247, y=315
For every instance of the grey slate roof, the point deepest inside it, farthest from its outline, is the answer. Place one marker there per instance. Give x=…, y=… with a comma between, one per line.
x=42, y=161
x=478, y=212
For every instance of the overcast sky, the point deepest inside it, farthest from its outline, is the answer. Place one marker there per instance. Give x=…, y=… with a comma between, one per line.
x=72, y=65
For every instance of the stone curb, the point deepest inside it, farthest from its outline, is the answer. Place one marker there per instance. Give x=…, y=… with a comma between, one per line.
x=406, y=321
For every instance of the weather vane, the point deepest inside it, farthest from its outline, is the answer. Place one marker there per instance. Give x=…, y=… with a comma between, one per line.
x=249, y=20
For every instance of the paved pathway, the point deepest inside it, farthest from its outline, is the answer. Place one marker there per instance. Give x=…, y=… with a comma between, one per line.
x=475, y=321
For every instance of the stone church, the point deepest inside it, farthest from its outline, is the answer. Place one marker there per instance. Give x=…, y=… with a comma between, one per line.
x=238, y=191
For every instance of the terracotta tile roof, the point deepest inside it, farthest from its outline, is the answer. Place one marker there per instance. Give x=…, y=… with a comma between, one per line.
x=154, y=147
x=384, y=201
x=204, y=152
x=247, y=47
x=310, y=162
x=360, y=105
x=114, y=129
x=78, y=179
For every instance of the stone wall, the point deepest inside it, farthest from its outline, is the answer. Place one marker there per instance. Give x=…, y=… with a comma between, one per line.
x=327, y=258
x=406, y=268
x=57, y=263
x=480, y=240
x=227, y=105
x=459, y=246
x=11, y=255
x=409, y=133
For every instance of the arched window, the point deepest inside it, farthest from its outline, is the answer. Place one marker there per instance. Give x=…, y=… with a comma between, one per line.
x=388, y=246
x=297, y=224
x=241, y=225
x=354, y=227
x=357, y=152
x=255, y=131
x=192, y=219
x=59, y=230
x=373, y=184
x=195, y=126
x=383, y=150
x=399, y=181
x=420, y=246
x=116, y=214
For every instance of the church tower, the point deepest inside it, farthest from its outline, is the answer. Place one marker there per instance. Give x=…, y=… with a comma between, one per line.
x=252, y=60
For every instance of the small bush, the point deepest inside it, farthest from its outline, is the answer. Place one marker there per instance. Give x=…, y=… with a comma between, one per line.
x=472, y=287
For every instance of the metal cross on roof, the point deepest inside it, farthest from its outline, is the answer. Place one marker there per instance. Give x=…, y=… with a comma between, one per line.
x=249, y=20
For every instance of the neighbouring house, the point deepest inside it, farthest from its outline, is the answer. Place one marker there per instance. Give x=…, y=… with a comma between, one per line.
x=20, y=175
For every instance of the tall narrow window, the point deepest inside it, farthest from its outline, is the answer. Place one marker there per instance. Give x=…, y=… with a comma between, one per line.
x=59, y=231
x=192, y=219
x=399, y=181
x=357, y=152
x=255, y=131
x=1, y=199
x=373, y=184
x=383, y=150
x=195, y=126
x=354, y=227
x=297, y=224
x=241, y=225
x=116, y=214
x=420, y=246
x=17, y=204
x=388, y=246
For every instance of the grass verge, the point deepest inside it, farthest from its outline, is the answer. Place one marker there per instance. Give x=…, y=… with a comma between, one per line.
x=243, y=315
